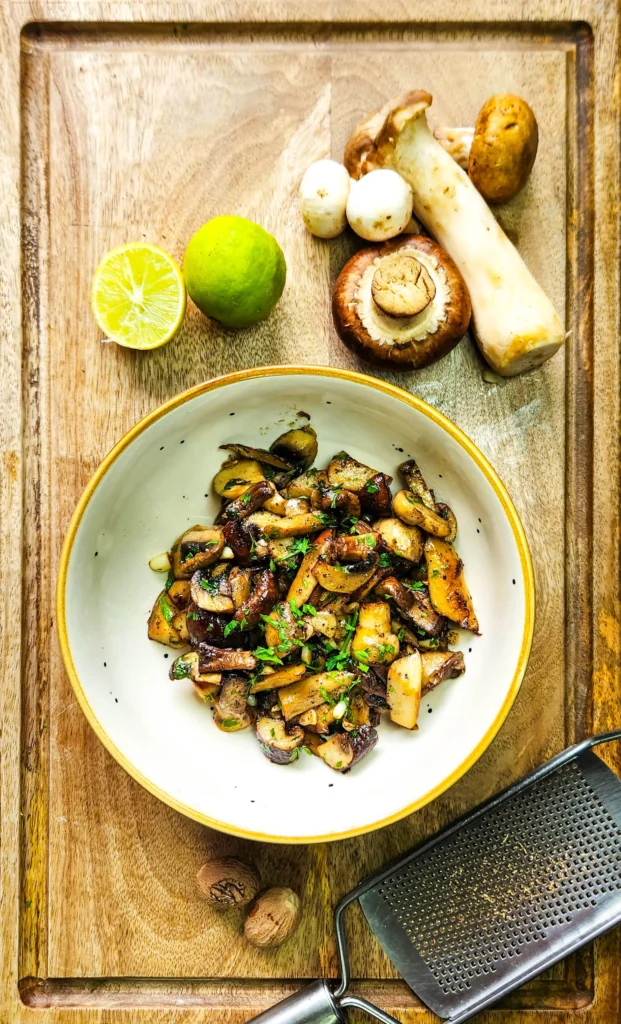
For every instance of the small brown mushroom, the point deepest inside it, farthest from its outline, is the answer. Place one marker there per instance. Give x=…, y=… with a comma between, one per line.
x=499, y=152
x=440, y=665
x=375, y=496
x=403, y=304
x=211, y=592
x=196, y=548
x=232, y=711
x=227, y=882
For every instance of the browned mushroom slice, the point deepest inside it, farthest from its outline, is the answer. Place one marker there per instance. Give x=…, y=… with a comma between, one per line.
x=209, y=627
x=416, y=483
x=232, y=711
x=161, y=622
x=281, y=677
x=415, y=604
x=373, y=640
x=179, y=623
x=360, y=713
x=319, y=720
x=279, y=743
x=240, y=537
x=448, y=514
x=283, y=629
x=298, y=446
x=179, y=592
x=311, y=691
x=224, y=659
x=304, y=581
x=355, y=547
x=302, y=486
x=236, y=476
x=375, y=496
x=211, y=592
x=344, y=579
x=196, y=548
x=260, y=602
x=244, y=451
x=337, y=499
x=295, y=526
x=402, y=540
x=447, y=586
x=402, y=304
x=404, y=690
x=248, y=502
x=345, y=471
x=186, y=667
x=440, y=665
x=410, y=509
x=240, y=583
x=343, y=750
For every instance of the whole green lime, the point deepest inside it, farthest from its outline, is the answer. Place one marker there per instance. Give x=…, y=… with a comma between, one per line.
x=234, y=271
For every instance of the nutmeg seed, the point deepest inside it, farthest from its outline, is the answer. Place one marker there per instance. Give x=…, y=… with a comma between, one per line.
x=273, y=917
x=227, y=882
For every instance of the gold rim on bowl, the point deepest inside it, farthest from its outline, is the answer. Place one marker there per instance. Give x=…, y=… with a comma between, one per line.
x=414, y=403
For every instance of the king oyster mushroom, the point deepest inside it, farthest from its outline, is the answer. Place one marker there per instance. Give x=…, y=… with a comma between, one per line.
x=403, y=304
x=515, y=324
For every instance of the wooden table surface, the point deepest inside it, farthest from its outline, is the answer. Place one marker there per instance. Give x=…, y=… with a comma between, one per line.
x=125, y=121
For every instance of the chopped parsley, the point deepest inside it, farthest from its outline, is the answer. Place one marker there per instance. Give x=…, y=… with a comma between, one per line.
x=300, y=546
x=369, y=540
x=308, y=609
x=210, y=585
x=273, y=733
x=371, y=488
x=230, y=626
x=339, y=764
x=194, y=615
x=400, y=635
x=267, y=654
x=191, y=551
x=228, y=723
x=417, y=585
x=384, y=560
x=165, y=608
x=170, y=579
x=435, y=572
x=245, y=498
x=384, y=649
x=181, y=669
x=295, y=611
x=327, y=697
x=325, y=519
x=272, y=565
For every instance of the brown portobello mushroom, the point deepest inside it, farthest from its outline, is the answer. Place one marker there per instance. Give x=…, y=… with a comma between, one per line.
x=297, y=446
x=224, y=659
x=403, y=304
x=279, y=743
x=232, y=711
x=209, y=627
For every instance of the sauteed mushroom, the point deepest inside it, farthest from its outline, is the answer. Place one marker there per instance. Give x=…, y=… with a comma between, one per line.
x=317, y=603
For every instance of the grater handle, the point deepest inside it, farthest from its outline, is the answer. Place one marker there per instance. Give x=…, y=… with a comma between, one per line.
x=313, y=1004
x=358, y=1003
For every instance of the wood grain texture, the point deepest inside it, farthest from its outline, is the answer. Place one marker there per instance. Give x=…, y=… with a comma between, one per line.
x=142, y=121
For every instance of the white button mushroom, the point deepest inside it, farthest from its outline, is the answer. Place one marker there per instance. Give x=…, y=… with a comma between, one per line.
x=379, y=205
x=323, y=197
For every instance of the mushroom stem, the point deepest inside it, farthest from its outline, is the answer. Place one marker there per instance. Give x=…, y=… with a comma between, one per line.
x=402, y=286
x=456, y=142
x=516, y=325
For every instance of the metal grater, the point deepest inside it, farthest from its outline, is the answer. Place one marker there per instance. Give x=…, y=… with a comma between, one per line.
x=493, y=900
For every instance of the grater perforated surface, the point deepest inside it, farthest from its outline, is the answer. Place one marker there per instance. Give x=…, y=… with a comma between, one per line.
x=506, y=891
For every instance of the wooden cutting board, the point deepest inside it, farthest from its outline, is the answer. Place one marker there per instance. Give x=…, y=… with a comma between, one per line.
x=128, y=120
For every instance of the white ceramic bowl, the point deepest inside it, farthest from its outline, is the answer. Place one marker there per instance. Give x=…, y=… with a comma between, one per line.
x=153, y=485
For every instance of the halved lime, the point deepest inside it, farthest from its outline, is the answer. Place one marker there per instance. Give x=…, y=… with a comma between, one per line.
x=138, y=296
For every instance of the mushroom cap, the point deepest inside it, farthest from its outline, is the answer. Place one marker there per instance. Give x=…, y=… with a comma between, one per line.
x=361, y=151
x=504, y=147
x=323, y=197
x=379, y=206
x=401, y=342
